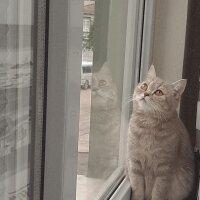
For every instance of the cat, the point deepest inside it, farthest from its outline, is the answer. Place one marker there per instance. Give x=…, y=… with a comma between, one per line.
x=105, y=125
x=160, y=162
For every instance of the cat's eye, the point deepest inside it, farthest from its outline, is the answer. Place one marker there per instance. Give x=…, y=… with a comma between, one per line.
x=158, y=93
x=144, y=86
x=102, y=83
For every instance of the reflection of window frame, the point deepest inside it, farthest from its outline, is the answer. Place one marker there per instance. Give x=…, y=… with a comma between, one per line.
x=64, y=94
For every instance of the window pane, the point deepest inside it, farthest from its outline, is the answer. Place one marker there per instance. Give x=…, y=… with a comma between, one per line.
x=101, y=94
x=16, y=64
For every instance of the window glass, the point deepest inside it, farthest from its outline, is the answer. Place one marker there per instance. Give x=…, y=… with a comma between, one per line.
x=16, y=65
x=104, y=39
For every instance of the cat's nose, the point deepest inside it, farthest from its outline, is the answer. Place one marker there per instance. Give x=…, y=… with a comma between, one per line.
x=146, y=94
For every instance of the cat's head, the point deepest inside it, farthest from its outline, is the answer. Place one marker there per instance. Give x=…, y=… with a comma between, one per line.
x=104, y=91
x=156, y=97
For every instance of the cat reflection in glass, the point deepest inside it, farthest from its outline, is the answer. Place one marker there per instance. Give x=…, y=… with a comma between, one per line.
x=160, y=163
x=105, y=124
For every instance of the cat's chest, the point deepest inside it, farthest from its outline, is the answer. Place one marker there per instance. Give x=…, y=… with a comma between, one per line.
x=147, y=149
x=150, y=149
x=147, y=141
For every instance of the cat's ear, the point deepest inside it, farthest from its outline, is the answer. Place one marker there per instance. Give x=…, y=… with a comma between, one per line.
x=179, y=87
x=151, y=73
x=105, y=69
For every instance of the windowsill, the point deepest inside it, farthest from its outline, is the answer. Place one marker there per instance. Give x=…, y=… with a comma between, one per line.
x=111, y=184
x=123, y=192
x=87, y=188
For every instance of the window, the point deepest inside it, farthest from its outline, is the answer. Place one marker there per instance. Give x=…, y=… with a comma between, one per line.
x=22, y=63
x=101, y=104
x=120, y=49
x=96, y=56
x=109, y=49
x=16, y=110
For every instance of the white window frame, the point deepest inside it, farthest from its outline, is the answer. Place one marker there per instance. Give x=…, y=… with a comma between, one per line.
x=63, y=99
x=63, y=94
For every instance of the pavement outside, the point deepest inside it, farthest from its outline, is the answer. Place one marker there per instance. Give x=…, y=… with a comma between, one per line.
x=84, y=129
x=87, y=188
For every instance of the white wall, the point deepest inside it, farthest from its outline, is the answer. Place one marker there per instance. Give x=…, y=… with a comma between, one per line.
x=169, y=38
x=169, y=42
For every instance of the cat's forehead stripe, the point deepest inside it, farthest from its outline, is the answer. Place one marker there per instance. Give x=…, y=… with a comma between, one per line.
x=156, y=84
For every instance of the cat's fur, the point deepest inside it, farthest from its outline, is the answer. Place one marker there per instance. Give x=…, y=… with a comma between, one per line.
x=104, y=125
x=160, y=157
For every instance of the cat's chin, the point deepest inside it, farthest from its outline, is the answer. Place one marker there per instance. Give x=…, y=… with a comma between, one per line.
x=96, y=94
x=141, y=101
x=144, y=106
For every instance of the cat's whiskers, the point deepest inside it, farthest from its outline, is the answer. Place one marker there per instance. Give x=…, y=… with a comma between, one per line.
x=129, y=100
x=129, y=97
